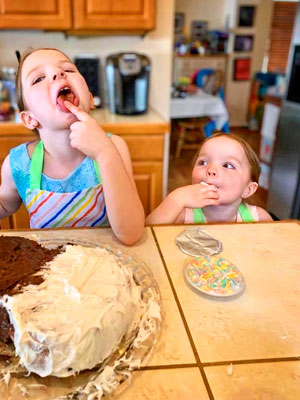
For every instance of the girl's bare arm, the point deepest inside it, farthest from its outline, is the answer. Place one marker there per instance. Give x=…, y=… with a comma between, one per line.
x=124, y=208
x=10, y=200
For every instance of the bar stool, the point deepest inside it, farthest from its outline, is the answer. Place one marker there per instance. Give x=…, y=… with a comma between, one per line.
x=191, y=129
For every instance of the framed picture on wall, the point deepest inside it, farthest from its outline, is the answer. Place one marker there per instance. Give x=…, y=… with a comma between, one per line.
x=246, y=16
x=178, y=23
x=241, y=69
x=198, y=29
x=243, y=42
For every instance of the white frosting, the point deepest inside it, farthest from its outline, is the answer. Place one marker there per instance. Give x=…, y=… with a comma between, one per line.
x=77, y=317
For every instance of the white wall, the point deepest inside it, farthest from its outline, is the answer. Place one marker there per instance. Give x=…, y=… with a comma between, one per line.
x=157, y=44
x=213, y=11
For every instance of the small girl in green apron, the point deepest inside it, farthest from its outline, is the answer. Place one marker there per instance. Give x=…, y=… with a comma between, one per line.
x=225, y=174
x=75, y=175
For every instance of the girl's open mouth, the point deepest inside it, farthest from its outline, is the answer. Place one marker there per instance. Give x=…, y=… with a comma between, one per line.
x=66, y=93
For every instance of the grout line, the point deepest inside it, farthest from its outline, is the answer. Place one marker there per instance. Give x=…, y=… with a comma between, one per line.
x=250, y=361
x=218, y=363
x=170, y=366
x=199, y=364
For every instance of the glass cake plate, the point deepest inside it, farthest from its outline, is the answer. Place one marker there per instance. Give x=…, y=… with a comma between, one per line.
x=127, y=358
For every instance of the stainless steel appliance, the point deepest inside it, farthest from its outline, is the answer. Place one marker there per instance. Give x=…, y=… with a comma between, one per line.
x=127, y=79
x=90, y=68
x=284, y=192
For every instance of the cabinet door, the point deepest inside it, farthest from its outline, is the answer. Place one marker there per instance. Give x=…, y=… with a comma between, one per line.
x=18, y=220
x=147, y=152
x=35, y=14
x=117, y=15
x=148, y=179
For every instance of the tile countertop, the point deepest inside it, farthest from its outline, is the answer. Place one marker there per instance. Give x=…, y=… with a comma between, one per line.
x=150, y=122
x=244, y=348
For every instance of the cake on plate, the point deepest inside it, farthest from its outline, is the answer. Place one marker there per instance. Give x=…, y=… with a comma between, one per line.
x=67, y=309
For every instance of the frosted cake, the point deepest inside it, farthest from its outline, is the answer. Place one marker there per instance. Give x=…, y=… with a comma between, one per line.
x=71, y=309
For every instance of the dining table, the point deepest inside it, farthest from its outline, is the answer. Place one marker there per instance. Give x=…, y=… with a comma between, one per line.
x=243, y=347
x=200, y=104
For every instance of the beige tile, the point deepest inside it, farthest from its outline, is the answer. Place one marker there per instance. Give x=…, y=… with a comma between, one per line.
x=173, y=346
x=264, y=321
x=172, y=384
x=270, y=381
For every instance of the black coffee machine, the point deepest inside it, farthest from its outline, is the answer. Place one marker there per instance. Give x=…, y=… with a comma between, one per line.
x=127, y=79
x=89, y=67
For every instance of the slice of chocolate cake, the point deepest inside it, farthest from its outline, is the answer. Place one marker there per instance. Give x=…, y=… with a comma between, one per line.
x=21, y=260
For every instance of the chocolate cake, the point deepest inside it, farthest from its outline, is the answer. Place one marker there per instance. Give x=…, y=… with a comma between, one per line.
x=20, y=261
x=66, y=310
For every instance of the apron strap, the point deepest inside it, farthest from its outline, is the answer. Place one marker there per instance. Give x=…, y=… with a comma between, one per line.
x=97, y=170
x=245, y=213
x=198, y=216
x=37, y=163
x=36, y=166
x=243, y=210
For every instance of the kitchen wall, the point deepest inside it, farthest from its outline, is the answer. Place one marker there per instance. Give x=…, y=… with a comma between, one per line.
x=222, y=14
x=238, y=92
x=157, y=44
x=216, y=12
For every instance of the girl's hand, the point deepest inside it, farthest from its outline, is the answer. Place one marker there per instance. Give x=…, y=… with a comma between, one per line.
x=198, y=195
x=86, y=135
x=171, y=209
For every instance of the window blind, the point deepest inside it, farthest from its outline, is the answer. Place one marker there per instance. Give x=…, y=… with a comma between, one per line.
x=281, y=32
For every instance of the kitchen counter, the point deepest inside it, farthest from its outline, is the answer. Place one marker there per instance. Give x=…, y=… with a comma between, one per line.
x=147, y=137
x=150, y=123
x=242, y=348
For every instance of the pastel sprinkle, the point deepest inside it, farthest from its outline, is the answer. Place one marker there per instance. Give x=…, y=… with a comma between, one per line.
x=214, y=275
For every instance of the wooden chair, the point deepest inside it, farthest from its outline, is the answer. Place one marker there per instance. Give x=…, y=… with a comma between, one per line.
x=189, y=134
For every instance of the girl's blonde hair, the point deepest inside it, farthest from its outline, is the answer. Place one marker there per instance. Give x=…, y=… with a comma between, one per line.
x=249, y=152
x=19, y=88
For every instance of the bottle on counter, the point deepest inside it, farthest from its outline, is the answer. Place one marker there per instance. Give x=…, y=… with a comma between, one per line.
x=12, y=89
x=4, y=103
x=8, y=77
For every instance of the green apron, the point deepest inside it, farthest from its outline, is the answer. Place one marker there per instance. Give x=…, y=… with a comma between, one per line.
x=243, y=210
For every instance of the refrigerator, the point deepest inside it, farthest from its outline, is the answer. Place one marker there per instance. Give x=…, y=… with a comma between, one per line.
x=284, y=190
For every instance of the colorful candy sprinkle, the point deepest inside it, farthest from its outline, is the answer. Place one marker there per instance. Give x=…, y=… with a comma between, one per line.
x=214, y=275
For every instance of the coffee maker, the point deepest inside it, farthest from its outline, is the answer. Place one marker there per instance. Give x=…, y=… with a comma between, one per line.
x=89, y=67
x=127, y=79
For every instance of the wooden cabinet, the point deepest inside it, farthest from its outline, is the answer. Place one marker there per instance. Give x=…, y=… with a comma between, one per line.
x=115, y=15
x=148, y=179
x=36, y=14
x=147, y=153
x=146, y=142
x=88, y=15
